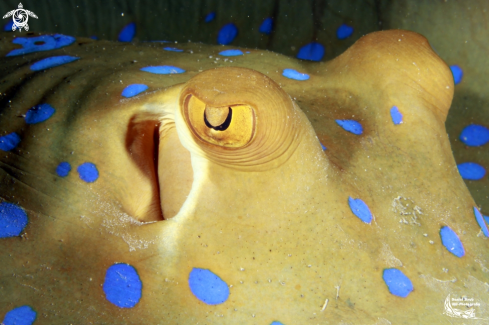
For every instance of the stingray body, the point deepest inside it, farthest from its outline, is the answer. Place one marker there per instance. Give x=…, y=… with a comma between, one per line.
x=208, y=199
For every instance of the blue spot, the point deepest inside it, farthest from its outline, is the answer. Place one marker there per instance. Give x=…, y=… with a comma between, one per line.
x=39, y=113
x=344, y=31
x=266, y=26
x=227, y=34
x=475, y=135
x=480, y=221
x=457, y=73
x=322, y=146
x=53, y=61
x=8, y=26
x=210, y=17
x=88, y=172
x=23, y=315
x=63, y=169
x=471, y=171
x=231, y=53
x=163, y=69
x=351, y=126
x=276, y=323
x=451, y=241
x=127, y=33
x=208, y=287
x=94, y=37
x=396, y=115
x=9, y=141
x=133, y=90
x=312, y=51
x=172, y=49
x=294, y=74
x=40, y=43
x=13, y=220
x=397, y=282
x=360, y=209
x=122, y=285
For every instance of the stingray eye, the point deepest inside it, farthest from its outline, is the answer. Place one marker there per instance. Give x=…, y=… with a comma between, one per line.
x=230, y=126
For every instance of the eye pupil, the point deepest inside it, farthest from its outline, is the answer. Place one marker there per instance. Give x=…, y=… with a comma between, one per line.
x=224, y=125
x=231, y=125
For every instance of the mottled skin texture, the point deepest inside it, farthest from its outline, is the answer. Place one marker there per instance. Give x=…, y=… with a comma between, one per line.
x=281, y=233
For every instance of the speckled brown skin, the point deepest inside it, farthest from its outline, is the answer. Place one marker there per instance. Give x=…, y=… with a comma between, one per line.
x=283, y=237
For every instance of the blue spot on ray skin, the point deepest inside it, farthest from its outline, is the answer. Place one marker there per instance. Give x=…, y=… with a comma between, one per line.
x=44, y=43
x=322, y=146
x=210, y=17
x=312, y=51
x=452, y=243
x=94, y=37
x=294, y=74
x=227, y=34
x=266, y=26
x=63, y=169
x=172, y=49
x=8, y=26
x=396, y=115
x=344, y=31
x=474, y=135
x=231, y=53
x=23, y=315
x=53, y=61
x=88, y=172
x=9, y=141
x=127, y=33
x=163, y=69
x=39, y=113
x=207, y=286
x=360, y=209
x=133, y=90
x=276, y=323
x=351, y=126
x=122, y=285
x=471, y=171
x=480, y=221
x=13, y=220
x=457, y=73
x=397, y=282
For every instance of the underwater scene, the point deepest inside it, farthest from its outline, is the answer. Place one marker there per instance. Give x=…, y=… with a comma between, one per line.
x=272, y=162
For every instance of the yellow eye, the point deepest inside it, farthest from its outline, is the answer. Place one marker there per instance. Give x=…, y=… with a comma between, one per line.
x=238, y=118
x=230, y=126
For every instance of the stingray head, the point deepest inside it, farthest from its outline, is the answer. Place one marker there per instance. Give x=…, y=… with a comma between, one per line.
x=216, y=203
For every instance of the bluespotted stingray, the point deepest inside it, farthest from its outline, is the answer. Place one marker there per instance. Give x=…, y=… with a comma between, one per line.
x=185, y=186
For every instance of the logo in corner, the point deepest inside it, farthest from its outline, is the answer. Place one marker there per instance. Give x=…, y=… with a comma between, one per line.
x=20, y=17
x=466, y=303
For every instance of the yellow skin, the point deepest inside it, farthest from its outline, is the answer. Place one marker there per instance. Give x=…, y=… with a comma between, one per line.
x=269, y=216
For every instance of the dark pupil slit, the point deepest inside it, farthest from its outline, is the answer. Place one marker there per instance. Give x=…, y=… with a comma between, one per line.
x=224, y=125
x=39, y=43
